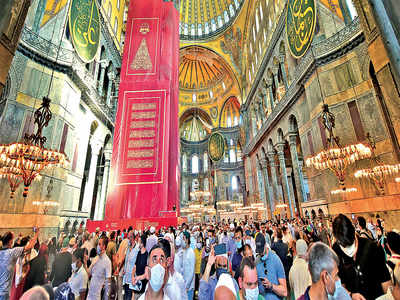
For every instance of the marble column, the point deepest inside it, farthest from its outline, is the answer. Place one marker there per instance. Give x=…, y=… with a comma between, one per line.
x=271, y=94
x=285, y=182
x=261, y=109
x=96, y=71
x=274, y=179
x=297, y=168
x=291, y=189
x=99, y=213
x=283, y=69
x=261, y=186
x=103, y=66
x=268, y=191
x=111, y=78
x=88, y=196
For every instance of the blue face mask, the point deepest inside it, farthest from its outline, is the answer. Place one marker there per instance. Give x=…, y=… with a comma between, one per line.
x=251, y=294
x=336, y=295
x=238, y=244
x=98, y=250
x=220, y=271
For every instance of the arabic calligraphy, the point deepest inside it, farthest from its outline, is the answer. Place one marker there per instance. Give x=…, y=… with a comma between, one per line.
x=84, y=25
x=300, y=25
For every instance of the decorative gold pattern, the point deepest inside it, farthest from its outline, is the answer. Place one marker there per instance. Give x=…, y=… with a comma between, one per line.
x=143, y=115
x=142, y=124
x=140, y=153
x=144, y=106
x=139, y=164
x=142, y=60
x=142, y=133
x=140, y=143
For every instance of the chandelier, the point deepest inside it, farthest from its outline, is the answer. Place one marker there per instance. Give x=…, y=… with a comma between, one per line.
x=336, y=157
x=25, y=160
x=14, y=177
x=378, y=173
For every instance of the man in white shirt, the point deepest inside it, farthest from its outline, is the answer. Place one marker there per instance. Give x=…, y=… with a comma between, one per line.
x=299, y=277
x=79, y=278
x=100, y=270
x=188, y=266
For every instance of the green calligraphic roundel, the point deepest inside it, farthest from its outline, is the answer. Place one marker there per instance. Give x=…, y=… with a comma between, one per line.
x=84, y=26
x=216, y=146
x=301, y=18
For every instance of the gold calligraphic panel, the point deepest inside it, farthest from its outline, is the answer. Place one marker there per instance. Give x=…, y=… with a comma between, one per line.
x=84, y=25
x=216, y=146
x=301, y=18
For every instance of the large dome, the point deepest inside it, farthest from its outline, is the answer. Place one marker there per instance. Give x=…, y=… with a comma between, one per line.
x=203, y=19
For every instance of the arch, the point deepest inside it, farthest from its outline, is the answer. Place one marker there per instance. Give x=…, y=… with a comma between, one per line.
x=321, y=213
x=293, y=127
x=281, y=137
x=66, y=226
x=313, y=214
x=195, y=164
x=195, y=125
x=230, y=111
x=93, y=127
x=270, y=147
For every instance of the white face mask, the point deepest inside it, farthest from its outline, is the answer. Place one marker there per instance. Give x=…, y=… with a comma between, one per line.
x=251, y=294
x=350, y=250
x=157, y=277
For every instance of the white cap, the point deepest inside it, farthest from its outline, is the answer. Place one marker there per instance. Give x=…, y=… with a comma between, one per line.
x=152, y=229
x=227, y=281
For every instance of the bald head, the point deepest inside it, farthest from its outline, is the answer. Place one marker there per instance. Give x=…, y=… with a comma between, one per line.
x=35, y=293
x=223, y=293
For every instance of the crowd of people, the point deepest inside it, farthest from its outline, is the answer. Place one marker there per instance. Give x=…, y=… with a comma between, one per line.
x=234, y=260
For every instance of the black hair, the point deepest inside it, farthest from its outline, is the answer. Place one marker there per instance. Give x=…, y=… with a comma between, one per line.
x=79, y=253
x=160, y=245
x=361, y=221
x=279, y=234
x=143, y=239
x=246, y=262
x=7, y=237
x=166, y=247
x=393, y=240
x=105, y=240
x=257, y=225
x=24, y=241
x=93, y=252
x=239, y=229
x=343, y=230
x=112, y=235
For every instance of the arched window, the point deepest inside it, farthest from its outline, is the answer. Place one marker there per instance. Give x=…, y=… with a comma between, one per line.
x=195, y=164
x=235, y=183
x=229, y=121
x=352, y=9
x=235, y=121
x=205, y=159
x=232, y=155
x=184, y=163
x=257, y=22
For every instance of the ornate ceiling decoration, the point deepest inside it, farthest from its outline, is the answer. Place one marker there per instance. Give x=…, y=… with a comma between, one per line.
x=204, y=76
x=204, y=19
x=195, y=125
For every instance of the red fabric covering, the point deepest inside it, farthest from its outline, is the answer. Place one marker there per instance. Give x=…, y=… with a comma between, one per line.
x=144, y=166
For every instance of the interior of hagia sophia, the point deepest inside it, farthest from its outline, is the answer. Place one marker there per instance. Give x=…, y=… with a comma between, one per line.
x=267, y=88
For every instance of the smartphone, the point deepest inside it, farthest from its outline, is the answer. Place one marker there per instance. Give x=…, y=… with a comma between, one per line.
x=35, y=229
x=220, y=249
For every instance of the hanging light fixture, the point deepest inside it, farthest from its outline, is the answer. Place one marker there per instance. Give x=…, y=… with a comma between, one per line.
x=345, y=191
x=14, y=177
x=380, y=172
x=336, y=157
x=30, y=157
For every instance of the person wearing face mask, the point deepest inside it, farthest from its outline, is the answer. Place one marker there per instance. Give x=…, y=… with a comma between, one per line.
x=208, y=283
x=323, y=267
x=299, y=277
x=138, y=272
x=197, y=254
x=362, y=266
x=178, y=260
x=248, y=280
x=188, y=265
x=231, y=245
x=100, y=270
x=271, y=275
x=156, y=274
x=237, y=255
x=79, y=278
x=129, y=265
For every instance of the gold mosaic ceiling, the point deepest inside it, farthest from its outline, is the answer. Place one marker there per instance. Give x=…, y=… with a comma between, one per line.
x=203, y=19
x=204, y=76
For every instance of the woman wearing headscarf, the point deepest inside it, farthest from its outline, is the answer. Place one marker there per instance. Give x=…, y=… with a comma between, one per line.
x=38, y=269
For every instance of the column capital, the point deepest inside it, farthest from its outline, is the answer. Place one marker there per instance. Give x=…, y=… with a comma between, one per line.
x=104, y=64
x=282, y=58
x=111, y=75
x=271, y=154
x=107, y=154
x=292, y=138
x=280, y=147
x=96, y=146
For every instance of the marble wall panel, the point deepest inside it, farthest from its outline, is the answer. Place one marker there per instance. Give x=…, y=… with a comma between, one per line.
x=344, y=127
x=371, y=116
x=11, y=123
x=57, y=134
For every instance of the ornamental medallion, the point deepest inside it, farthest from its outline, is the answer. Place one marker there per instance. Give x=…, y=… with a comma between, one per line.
x=216, y=146
x=84, y=25
x=300, y=25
